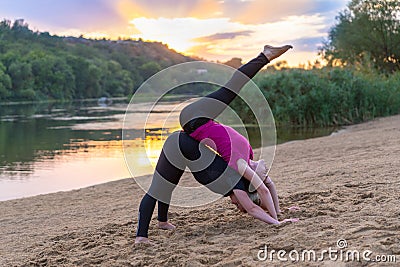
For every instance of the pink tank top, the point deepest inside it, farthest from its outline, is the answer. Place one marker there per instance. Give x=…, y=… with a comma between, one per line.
x=229, y=144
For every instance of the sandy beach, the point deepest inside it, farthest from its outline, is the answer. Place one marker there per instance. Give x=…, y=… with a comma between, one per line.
x=347, y=185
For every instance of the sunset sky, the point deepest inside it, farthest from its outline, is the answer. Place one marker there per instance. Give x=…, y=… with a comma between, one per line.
x=211, y=29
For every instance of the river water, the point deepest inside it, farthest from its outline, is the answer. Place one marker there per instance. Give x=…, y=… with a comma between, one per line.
x=55, y=147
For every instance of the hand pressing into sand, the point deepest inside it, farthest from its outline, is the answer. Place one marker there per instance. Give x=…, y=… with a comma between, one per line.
x=292, y=220
x=243, y=202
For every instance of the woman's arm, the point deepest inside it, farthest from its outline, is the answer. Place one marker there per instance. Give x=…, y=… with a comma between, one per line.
x=252, y=208
x=248, y=173
x=258, y=183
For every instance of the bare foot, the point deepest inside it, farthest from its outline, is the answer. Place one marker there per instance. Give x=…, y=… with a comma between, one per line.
x=143, y=240
x=166, y=226
x=273, y=52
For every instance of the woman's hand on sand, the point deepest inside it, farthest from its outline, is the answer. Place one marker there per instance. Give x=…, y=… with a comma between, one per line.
x=166, y=226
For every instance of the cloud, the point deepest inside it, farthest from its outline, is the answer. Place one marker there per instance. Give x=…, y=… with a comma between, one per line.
x=261, y=11
x=66, y=14
x=241, y=11
x=179, y=33
x=64, y=17
x=212, y=38
x=168, y=8
x=304, y=32
x=307, y=44
x=221, y=36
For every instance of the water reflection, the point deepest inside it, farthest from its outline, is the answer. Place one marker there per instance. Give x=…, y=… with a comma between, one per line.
x=52, y=147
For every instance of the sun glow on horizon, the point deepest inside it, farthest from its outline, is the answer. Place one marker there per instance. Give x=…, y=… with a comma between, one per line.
x=220, y=39
x=179, y=33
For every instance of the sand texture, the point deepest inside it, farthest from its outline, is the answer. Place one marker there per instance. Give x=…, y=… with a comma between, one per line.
x=347, y=184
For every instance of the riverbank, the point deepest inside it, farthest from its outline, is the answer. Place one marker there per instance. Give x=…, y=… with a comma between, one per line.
x=347, y=185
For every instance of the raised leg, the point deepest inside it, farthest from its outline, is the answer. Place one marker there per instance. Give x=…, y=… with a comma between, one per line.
x=211, y=105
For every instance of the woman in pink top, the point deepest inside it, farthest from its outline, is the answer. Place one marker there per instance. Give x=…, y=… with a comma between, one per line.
x=197, y=119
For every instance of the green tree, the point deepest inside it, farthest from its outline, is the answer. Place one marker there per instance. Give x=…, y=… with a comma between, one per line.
x=22, y=78
x=148, y=69
x=5, y=83
x=87, y=77
x=116, y=81
x=92, y=88
x=80, y=69
x=40, y=66
x=367, y=32
x=53, y=76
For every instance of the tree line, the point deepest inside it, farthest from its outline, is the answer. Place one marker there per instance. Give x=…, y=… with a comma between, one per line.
x=38, y=66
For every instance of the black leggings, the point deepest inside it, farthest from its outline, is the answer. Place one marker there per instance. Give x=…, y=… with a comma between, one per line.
x=181, y=151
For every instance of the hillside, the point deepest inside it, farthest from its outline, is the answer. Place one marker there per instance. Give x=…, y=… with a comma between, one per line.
x=40, y=66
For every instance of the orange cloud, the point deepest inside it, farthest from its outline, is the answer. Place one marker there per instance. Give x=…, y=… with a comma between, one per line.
x=221, y=36
x=260, y=11
x=206, y=9
x=222, y=39
x=129, y=10
x=168, y=8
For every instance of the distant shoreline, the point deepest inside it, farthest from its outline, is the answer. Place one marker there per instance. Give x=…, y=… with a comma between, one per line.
x=59, y=101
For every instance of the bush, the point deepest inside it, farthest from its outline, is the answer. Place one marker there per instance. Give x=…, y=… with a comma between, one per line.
x=329, y=96
x=28, y=94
